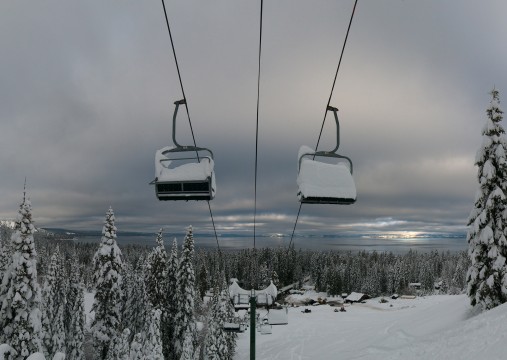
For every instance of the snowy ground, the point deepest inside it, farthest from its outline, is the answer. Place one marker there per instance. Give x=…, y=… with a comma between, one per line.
x=433, y=327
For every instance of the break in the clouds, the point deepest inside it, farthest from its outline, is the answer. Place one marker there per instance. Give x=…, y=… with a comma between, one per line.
x=87, y=92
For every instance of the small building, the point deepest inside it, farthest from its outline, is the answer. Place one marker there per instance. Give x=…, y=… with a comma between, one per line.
x=355, y=297
x=416, y=286
x=288, y=288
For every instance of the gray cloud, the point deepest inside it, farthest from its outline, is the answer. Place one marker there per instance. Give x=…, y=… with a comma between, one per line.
x=86, y=94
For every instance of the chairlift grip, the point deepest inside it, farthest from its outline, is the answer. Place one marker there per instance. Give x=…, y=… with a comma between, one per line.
x=181, y=102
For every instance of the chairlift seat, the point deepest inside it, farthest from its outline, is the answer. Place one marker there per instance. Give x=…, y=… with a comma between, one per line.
x=265, y=329
x=189, y=181
x=192, y=180
x=324, y=183
x=234, y=328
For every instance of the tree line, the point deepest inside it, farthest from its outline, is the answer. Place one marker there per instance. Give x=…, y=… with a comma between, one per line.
x=145, y=301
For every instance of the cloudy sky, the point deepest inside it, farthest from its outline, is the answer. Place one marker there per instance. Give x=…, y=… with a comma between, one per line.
x=87, y=91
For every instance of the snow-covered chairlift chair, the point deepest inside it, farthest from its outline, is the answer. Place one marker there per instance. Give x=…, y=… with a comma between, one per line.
x=188, y=181
x=325, y=183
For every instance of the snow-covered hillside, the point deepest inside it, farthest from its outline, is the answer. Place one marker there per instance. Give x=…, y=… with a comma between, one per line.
x=433, y=327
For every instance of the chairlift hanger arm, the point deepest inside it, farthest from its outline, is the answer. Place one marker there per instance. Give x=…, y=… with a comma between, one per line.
x=177, y=103
x=180, y=148
x=335, y=112
x=331, y=153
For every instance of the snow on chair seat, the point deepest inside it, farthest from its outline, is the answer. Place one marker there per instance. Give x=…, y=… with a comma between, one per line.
x=323, y=183
x=190, y=181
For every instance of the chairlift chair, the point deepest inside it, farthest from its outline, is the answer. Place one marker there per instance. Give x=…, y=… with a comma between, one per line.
x=192, y=180
x=324, y=183
x=233, y=327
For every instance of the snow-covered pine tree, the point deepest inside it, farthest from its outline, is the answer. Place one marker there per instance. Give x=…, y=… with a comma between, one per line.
x=276, y=280
x=188, y=349
x=216, y=345
x=155, y=276
x=229, y=313
x=213, y=345
x=153, y=342
x=7, y=352
x=184, y=320
x=108, y=265
x=168, y=322
x=5, y=253
x=75, y=318
x=121, y=349
x=202, y=280
x=487, y=245
x=135, y=304
x=136, y=348
x=54, y=303
x=20, y=296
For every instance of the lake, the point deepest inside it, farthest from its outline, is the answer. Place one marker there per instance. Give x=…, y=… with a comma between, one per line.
x=355, y=243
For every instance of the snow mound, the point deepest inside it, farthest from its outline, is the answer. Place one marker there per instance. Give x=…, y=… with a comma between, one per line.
x=481, y=337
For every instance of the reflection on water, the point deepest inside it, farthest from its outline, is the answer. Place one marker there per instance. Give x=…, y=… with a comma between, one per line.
x=369, y=243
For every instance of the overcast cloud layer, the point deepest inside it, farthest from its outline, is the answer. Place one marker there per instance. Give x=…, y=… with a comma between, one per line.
x=87, y=91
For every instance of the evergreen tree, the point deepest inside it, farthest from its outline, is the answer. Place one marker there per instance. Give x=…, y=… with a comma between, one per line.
x=5, y=253
x=153, y=343
x=54, y=303
x=136, y=348
x=184, y=319
x=202, y=280
x=75, y=315
x=219, y=344
x=487, y=275
x=276, y=280
x=122, y=351
x=458, y=279
x=264, y=276
x=188, y=349
x=156, y=275
x=108, y=266
x=214, y=345
x=20, y=315
x=168, y=321
x=135, y=304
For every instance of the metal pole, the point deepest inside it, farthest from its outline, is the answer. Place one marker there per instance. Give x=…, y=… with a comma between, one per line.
x=253, y=313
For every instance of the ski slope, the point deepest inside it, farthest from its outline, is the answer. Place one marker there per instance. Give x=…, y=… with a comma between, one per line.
x=433, y=327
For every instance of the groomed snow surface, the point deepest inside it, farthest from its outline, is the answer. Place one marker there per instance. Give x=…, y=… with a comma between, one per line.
x=432, y=327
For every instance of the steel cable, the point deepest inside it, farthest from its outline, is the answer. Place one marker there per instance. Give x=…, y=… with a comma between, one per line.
x=327, y=105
